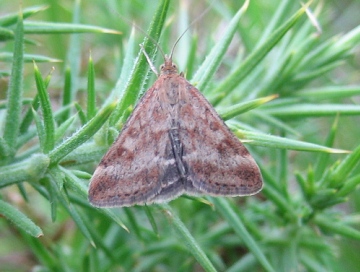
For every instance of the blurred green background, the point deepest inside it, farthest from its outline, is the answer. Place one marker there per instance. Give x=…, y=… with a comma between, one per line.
x=290, y=242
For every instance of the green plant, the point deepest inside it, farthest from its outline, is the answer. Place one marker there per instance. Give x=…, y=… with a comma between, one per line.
x=48, y=155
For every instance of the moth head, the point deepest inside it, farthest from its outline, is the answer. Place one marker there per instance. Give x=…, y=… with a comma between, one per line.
x=168, y=67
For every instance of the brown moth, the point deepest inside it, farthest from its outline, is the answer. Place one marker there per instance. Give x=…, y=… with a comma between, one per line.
x=173, y=143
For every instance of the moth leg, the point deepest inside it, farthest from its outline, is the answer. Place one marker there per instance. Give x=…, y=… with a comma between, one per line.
x=151, y=64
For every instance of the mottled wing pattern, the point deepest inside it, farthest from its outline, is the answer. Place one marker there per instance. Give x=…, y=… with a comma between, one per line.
x=217, y=162
x=140, y=166
x=174, y=142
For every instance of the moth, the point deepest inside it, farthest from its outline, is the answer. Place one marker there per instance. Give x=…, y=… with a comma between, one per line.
x=173, y=143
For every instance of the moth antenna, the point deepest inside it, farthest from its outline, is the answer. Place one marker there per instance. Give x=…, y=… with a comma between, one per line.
x=151, y=39
x=147, y=36
x=192, y=23
x=152, y=66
